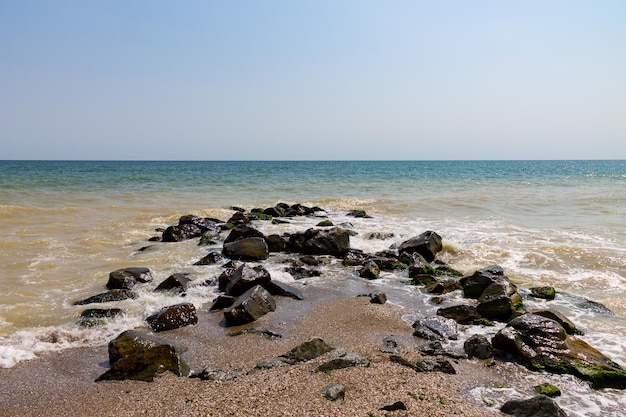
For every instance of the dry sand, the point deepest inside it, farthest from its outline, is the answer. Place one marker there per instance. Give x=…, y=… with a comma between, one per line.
x=62, y=384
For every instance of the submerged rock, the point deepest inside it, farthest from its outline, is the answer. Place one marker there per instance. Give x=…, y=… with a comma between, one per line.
x=109, y=296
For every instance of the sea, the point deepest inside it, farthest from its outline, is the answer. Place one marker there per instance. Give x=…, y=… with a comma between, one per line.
x=66, y=224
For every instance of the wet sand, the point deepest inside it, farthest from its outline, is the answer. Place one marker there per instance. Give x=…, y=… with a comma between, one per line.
x=62, y=384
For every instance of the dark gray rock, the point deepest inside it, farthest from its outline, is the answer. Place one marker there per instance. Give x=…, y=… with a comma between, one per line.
x=244, y=278
x=210, y=259
x=474, y=285
x=126, y=278
x=334, y=392
x=335, y=241
x=478, y=346
x=215, y=374
x=276, y=243
x=283, y=290
x=95, y=316
x=176, y=283
x=342, y=358
x=427, y=244
x=462, y=313
x=242, y=231
x=394, y=406
x=436, y=365
x=109, y=296
x=251, y=305
x=538, y=406
x=137, y=356
x=543, y=344
x=370, y=270
x=355, y=257
x=378, y=297
x=249, y=249
x=391, y=346
x=570, y=328
x=306, y=351
x=181, y=232
x=173, y=317
x=435, y=328
x=221, y=302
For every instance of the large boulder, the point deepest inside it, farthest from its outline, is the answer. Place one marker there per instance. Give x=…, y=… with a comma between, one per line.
x=335, y=241
x=543, y=344
x=126, y=278
x=428, y=244
x=173, y=317
x=250, y=249
x=141, y=357
x=251, y=305
x=244, y=278
x=474, y=285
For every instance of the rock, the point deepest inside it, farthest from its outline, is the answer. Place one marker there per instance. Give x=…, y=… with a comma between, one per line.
x=379, y=236
x=358, y=214
x=428, y=244
x=437, y=365
x=435, y=328
x=238, y=218
x=462, y=313
x=342, y=358
x=141, y=357
x=95, y=316
x=370, y=270
x=548, y=390
x=242, y=231
x=244, y=278
x=546, y=293
x=335, y=241
x=175, y=282
x=283, y=290
x=251, y=305
x=543, y=344
x=222, y=302
x=443, y=287
x=109, y=296
x=214, y=374
x=378, y=297
x=276, y=243
x=210, y=259
x=298, y=272
x=539, y=406
x=334, y=392
x=435, y=348
x=474, y=285
x=173, y=317
x=325, y=223
x=354, y=257
x=570, y=328
x=125, y=279
x=394, y=406
x=311, y=349
x=499, y=300
x=391, y=346
x=478, y=346
x=250, y=249
x=268, y=334
x=181, y=232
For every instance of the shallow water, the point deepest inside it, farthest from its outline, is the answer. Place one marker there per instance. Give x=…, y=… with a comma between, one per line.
x=66, y=225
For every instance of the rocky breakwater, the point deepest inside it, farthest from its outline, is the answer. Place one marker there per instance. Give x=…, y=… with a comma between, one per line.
x=543, y=340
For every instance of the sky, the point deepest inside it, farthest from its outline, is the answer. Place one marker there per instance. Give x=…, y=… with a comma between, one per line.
x=312, y=79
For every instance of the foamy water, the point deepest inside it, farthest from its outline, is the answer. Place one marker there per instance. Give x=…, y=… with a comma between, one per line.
x=66, y=225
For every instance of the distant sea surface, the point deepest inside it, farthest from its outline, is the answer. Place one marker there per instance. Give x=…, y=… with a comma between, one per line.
x=67, y=224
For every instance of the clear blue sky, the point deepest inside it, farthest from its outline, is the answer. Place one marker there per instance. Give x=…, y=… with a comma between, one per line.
x=318, y=79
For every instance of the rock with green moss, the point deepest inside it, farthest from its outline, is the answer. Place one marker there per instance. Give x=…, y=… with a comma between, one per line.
x=546, y=293
x=359, y=213
x=325, y=223
x=543, y=344
x=548, y=390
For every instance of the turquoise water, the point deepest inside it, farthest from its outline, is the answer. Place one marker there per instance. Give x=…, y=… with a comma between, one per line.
x=67, y=224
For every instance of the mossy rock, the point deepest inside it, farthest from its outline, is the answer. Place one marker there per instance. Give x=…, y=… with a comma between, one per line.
x=546, y=293
x=548, y=390
x=423, y=279
x=359, y=213
x=259, y=216
x=325, y=223
x=279, y=221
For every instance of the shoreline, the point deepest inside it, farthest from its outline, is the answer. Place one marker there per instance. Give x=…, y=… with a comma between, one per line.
x=62, y=383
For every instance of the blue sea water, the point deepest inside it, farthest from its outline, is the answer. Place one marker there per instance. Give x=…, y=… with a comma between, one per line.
x=66, y=224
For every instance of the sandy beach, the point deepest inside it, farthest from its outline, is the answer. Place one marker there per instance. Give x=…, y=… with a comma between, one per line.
x=62, y=384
